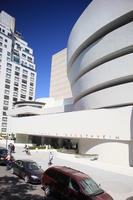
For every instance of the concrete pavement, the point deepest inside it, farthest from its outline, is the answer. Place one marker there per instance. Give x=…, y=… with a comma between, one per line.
x=116, y=180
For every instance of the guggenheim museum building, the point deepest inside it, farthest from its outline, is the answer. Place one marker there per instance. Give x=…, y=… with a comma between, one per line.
x=91, y=88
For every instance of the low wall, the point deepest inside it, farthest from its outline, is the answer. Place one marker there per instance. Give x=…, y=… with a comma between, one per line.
x=109, y=151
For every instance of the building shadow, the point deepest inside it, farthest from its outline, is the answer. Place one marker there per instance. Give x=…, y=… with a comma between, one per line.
x=11, y=188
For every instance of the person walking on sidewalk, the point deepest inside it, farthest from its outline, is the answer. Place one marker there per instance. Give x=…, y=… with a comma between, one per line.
x=8, y=159
x=9, y=149
x=51, y=157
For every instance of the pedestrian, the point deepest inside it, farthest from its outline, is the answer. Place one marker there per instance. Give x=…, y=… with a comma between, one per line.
x=13, y=148
x=51, y=157
x=8, y=159
x=26, y=149
x=9, y=149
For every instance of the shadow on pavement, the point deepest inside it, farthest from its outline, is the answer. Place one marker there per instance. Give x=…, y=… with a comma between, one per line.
x=12, y=189
x=130, y=198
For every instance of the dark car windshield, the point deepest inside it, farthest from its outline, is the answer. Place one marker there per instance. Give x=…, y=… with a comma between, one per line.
x=32, y=166
x=3, y=152
x=90, y=187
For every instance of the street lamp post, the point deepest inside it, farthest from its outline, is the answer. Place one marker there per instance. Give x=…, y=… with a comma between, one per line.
x=6, y=140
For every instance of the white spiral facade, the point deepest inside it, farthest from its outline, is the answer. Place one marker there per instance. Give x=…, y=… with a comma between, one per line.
x=100, y=55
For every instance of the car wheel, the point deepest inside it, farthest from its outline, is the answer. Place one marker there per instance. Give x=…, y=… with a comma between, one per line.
x=26, y=179
x=47, y=191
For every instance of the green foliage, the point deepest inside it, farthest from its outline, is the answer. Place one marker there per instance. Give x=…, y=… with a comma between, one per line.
x=37, y=147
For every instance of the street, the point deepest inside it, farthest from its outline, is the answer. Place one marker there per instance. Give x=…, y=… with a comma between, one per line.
x=119, y=186
x=14, y=188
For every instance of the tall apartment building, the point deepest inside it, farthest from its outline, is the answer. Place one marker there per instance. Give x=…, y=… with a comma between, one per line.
x=59, y=83
x=17, y=69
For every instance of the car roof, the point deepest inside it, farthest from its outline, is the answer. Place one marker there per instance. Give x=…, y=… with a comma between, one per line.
x=3, y=148
x=25, y=160
x=70, y=172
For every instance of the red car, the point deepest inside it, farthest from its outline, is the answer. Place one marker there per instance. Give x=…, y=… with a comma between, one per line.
x=68, y=183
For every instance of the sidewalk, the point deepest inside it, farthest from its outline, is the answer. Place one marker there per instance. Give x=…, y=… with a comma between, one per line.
x=128, y=171
x=116, y=180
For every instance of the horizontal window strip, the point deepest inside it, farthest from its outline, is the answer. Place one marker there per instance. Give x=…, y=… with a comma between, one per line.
x=104, y=59
x=120, y=21
x=108, y=84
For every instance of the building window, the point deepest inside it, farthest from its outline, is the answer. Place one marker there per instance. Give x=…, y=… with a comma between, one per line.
x=8, y=76
x=23, y=91
x=16, y=78
x=23, y=96
x=31, y=66
x=23, y=86
x=4, y=119
x=31, y=93
x=24, y=76
x=0, y=50
x=32, y=79
x=32, y=74
x=17, y=68
x=0, y=43
x=16, y=84
x=27, y=50
x=29, y=59
x=5, y=40
x=6, y=102
x=24, y=63
x=4, y=114
x=9, y=65
x=16, y=73
x=30, y=98
x=15, y=89
x=18, y=46
x=3, y=129
x=31, y=84
x=15, y=99
x=6, y=91
x=7, y=86
x=8, y=58
x=8, y=53
x=7, y=81
x=23, y=55
x=3, y=30
x=16, y=59
x=6, y=97
x=1, y=38
x=4, y=124
x=5, y=108
x=8, y=70
x=24, y=81
x=9, y=35
x=15, y=94
x=25, y=71
x=31, y=88
x=5, y=45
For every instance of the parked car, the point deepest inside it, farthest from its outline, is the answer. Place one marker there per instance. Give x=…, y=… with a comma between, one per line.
x=28, y=170
x=68, y=183
x=3, y=155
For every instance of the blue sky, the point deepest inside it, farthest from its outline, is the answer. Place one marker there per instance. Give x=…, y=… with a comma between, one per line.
x=45, y=25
